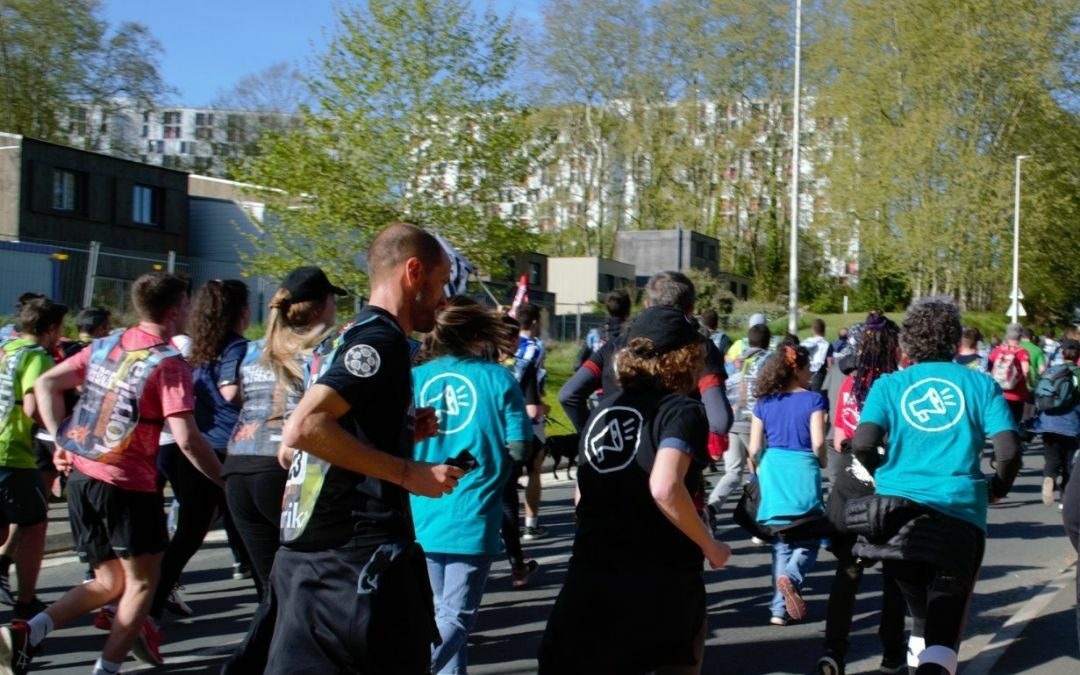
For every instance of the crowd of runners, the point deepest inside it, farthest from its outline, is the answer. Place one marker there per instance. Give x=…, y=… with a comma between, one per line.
x=368, y=476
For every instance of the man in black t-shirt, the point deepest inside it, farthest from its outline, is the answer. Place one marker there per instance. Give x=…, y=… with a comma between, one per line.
x=350, y=584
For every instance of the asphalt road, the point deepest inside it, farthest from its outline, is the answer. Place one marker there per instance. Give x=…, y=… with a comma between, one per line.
x=1022, y=618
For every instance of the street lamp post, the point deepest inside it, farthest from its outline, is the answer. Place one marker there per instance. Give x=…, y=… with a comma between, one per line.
x=1014, y=309
x=793, y=260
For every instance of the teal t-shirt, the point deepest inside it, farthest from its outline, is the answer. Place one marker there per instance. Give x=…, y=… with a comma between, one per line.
x=938, y=417
x=481, y=409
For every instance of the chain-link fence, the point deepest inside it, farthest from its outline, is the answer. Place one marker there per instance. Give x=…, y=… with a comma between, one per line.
x=92, y=274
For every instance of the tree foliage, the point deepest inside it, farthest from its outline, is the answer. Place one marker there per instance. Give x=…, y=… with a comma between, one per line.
x=413, y=121
x=55, y=53
x=937, y=99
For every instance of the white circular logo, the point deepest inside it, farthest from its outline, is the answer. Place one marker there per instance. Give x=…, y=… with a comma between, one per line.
x=362, y=360
x=933, y=404
x=454, y=399
x=612, y=439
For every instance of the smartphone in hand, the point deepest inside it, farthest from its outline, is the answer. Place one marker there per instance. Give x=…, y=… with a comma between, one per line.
x=464, y=461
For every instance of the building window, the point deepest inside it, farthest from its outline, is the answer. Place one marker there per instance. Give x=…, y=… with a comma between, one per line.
x=77, y=121
x=234, y=128
x=157, y=147
x=204, y=126
x=171, y=120
x=170, y=161
x=143, y=205
x=65, y=190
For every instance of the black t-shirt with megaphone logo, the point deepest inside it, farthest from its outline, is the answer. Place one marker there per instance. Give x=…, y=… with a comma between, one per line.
x=618, y=522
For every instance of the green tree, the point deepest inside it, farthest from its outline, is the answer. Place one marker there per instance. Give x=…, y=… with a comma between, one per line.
x=936, y=99
x=414, y=121
x=56, y=53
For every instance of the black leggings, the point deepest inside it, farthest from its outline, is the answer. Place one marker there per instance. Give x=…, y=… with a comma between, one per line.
x=255, y=507
x=845, y=587
x=1070, y=515
x=938, y=602
x=199, y=501
x=1058, y=454
x=511, y=528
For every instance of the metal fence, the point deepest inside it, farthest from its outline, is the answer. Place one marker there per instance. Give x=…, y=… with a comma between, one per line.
x=92, y=274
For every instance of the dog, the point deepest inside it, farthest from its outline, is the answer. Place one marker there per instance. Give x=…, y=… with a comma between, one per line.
x=562, y=447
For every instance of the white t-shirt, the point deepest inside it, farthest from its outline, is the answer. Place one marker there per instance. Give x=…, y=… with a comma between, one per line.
x=819, y=351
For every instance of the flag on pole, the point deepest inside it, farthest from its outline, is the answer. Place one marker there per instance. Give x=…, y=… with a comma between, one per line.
x=522, y=295
x=460, y=269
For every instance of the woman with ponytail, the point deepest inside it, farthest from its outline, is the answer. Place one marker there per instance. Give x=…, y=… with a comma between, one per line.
x=877, y=353
x=302, y=314
x=482, y=425
x=792, y=419
x=218, y=317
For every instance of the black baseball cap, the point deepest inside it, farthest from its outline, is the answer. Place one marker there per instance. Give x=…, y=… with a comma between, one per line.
x=667, y=327
x=309, y=283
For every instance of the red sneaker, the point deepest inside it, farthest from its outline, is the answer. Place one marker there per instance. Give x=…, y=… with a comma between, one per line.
x=147, y=647
x=103, y=620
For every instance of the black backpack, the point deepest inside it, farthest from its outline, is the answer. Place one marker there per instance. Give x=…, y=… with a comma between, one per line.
x=1056, y=391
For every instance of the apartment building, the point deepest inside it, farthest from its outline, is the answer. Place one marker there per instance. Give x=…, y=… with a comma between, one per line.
x=199, y=140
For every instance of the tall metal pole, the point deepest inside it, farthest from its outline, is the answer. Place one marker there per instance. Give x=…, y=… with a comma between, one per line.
x=793, y=261
x=1014, y=310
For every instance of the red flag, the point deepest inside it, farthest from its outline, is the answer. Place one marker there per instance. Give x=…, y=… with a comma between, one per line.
x=522, y=295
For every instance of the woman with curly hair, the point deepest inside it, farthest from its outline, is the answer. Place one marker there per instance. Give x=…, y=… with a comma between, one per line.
x=877, y=353
x=927, y=518
x=787, y=443
x=219, y=315
x=482, y=421
x=640, y=525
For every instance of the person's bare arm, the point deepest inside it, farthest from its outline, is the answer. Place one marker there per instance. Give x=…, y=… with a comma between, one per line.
x=231, y=393
x=666, y=483
x=817, y=437
x=313, y=427
x=30, y=407
x=49, y=394
x=757, y=442
x=193, y=444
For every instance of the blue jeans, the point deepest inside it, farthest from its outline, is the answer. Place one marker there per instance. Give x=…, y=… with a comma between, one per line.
x=792, y=559
x=457, y=582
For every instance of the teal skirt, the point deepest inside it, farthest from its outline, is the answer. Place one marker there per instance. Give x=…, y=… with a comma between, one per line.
x=790, y=482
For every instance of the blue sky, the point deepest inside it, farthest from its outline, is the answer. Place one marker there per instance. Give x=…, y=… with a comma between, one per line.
x=210, y=44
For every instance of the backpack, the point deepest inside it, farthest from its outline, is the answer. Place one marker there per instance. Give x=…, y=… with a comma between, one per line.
x=1056, y=391
x=9, y=367
x=101, y=426
x=722, y=341
x=1006, y=371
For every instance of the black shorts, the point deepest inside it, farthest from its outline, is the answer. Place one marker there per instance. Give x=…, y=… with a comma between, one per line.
x=108, y=522
x=351, y=611
x=43, y=453
x=22, y=497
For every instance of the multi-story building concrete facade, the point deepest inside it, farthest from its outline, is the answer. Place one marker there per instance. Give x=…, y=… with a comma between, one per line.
x=200, y=140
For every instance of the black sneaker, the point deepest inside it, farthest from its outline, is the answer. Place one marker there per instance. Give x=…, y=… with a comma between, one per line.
x=15, y=649
x=6, y=595
x=519, y=575
x=533, y=533
x=28, y=610
x=894, y=666
x=175, y=603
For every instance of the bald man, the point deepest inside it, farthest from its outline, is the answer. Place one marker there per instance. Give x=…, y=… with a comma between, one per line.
x=349, y=583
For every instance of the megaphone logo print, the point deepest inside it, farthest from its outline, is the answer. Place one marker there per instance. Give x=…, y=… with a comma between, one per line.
x=613, y=439
x=933, y=404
